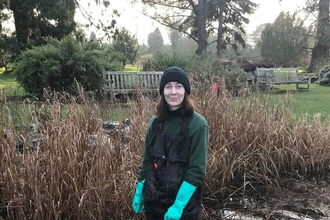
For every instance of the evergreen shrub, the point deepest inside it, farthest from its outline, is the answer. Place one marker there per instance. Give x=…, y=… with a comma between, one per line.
x=208, y=69
x=163, y=59
x=58, y=65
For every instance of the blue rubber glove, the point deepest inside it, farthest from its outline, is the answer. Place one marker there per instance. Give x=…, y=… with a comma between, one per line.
x=138, y=198
x=182, y=198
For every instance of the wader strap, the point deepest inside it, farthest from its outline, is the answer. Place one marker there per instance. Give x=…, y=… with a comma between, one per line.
x=157, y=126
x=181, y=132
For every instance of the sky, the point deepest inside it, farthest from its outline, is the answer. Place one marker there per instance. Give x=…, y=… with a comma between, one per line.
x=139, y=25
x=268, y=11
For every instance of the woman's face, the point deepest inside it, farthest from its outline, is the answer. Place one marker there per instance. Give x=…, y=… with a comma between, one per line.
x=174, y=95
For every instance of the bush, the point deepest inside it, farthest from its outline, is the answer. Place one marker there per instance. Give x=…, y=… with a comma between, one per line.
x=162, y=59
x=58, y=64
x=207, y=69
x=145, y=62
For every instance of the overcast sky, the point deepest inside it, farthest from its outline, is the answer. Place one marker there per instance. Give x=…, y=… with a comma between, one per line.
x=269, y=10
x=133, y=20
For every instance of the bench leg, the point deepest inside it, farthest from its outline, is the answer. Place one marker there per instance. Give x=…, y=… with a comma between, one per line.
x=308, y=83
x=270, y=86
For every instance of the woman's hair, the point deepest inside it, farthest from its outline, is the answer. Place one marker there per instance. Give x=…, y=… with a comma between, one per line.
x=187, y=108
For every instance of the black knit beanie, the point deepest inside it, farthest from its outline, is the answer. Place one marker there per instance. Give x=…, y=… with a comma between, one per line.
x=174, y=74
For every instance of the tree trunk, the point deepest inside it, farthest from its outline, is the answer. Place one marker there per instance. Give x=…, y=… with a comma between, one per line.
x=321, y=49
x=220, y=28
x=201, y=28
x=21, y=20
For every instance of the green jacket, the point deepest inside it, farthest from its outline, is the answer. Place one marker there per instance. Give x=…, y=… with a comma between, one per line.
x=197, y=133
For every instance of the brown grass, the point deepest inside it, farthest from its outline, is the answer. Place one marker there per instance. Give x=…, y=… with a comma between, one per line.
x=67, y=177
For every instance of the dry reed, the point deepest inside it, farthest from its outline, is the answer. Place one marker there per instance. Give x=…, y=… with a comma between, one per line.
x=68, y=177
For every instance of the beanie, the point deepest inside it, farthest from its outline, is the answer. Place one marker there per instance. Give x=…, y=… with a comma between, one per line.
x=174, y=74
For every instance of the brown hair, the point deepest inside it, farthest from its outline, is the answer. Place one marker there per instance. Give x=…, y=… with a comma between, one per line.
x=187, y=108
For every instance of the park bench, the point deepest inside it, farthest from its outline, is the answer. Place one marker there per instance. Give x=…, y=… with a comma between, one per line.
x=276, y=76
x=129, y=82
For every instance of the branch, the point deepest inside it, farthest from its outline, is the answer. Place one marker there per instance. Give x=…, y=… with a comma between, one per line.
x=85, y=13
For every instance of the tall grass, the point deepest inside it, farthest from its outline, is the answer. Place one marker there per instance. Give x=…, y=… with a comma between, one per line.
x=67, y=176
x=70, y=177
x=260, y=143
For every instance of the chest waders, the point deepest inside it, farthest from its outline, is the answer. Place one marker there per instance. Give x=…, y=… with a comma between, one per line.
x=166, y=173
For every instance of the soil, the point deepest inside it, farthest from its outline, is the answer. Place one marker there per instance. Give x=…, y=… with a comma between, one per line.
x=293, y=199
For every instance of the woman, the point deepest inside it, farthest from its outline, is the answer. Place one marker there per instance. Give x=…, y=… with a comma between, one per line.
x=175, y=154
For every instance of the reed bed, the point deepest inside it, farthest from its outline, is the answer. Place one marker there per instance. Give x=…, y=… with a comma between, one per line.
x=68, y=177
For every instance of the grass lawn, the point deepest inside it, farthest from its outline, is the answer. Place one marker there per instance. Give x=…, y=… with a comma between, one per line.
x=8, y=84
x=312, y=102
x=131, y=68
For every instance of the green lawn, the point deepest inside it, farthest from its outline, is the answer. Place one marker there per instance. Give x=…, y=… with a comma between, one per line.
x=131, y=68
x=311, y=102
x=8, y=84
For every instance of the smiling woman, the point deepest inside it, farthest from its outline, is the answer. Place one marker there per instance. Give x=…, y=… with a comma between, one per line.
x=175, y=154
x=174, y=94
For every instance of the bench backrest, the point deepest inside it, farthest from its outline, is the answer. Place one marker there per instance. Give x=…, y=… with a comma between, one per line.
x=277, y=75
x=129, y=81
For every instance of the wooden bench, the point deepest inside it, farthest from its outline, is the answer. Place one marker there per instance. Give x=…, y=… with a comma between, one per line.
x=277, y=76
x=129, y=82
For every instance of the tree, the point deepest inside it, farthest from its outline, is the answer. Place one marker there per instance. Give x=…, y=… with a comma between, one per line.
x=8, y=50
x=231, y=16
x=285, y=41
x=155, y=41
x=186, y=46
x=143, y=49
x=197, y=19
x=4, y=16
x=35, y=19
x=8, y=43
x=186, y=16
x=92, y=36
x=106, y=25
x=256, y=35
x=79, y=34
x=201, y=26
x=175, y=36
x=321, y=48
x=126, y=44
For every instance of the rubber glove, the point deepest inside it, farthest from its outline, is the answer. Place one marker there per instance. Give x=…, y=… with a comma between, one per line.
x=138, y=198
x=182, y=198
